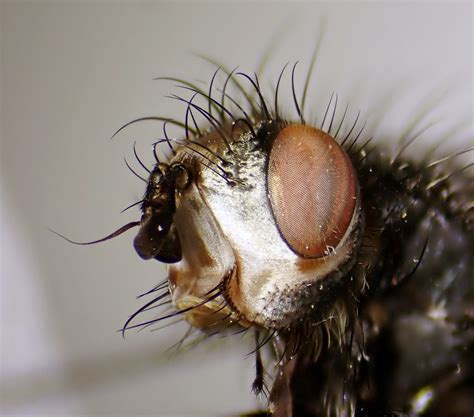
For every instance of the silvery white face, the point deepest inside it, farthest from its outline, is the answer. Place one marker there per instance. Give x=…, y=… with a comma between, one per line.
x=268, y=221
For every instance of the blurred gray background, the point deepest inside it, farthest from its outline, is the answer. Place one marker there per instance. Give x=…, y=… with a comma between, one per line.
x=71, y=74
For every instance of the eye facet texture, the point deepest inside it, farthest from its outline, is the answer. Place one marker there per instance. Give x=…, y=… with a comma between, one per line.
x=312, y=189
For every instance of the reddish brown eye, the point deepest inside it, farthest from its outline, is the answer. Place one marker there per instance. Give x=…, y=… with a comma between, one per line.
x=312, y=189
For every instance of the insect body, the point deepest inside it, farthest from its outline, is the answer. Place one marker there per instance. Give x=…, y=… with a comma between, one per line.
x=353, y=267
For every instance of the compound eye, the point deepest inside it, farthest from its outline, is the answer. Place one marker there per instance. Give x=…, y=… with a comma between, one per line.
x=312, y=188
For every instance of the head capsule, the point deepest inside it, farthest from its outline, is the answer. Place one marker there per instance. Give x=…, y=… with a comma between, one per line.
x=277, y=241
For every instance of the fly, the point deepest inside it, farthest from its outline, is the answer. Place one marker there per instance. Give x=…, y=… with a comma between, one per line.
x=352, y=266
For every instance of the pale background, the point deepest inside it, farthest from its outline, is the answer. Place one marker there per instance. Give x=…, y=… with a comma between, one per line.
x=72, y=73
